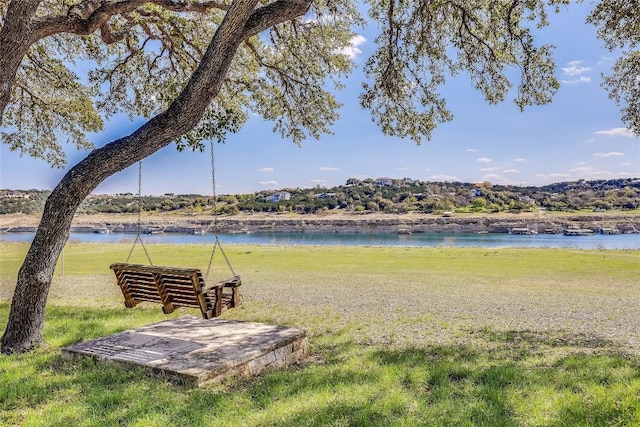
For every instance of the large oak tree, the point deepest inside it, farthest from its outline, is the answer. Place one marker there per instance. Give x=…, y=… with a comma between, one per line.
x=197, y=68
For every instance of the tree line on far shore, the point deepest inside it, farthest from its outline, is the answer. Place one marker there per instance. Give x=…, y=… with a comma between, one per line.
x=388, y=196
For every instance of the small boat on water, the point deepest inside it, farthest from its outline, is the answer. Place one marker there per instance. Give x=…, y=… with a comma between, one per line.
x=609, y=230
x=523, y=231
x=153, y=230
x=403, y=231
x=241, y=231
x=578, y=232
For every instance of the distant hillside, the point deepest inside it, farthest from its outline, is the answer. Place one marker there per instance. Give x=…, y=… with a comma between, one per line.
x=370, y=195
x=23, y=201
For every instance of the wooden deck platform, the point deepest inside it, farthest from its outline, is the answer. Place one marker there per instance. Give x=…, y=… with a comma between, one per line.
x=193, y=351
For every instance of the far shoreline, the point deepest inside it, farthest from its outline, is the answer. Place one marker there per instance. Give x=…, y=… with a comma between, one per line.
x=608, y=222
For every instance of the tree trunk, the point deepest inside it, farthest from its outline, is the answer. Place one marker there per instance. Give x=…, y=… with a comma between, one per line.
x=26, y=318
x=24, y=329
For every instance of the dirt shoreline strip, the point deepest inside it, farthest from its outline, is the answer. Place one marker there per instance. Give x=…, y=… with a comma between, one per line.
x=524, y=223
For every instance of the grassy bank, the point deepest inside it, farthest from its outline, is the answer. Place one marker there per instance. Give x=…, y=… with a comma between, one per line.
x=399, y=336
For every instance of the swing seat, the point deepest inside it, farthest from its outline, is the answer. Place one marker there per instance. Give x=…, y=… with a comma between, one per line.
x=176, y=287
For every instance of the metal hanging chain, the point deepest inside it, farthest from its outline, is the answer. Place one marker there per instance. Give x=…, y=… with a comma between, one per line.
x=215, y=218
x=213, y=188
x=139, y=224
x=213, y=252
x=213, y=192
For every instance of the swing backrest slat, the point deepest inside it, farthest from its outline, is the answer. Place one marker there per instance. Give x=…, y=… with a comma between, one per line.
x=176, y=287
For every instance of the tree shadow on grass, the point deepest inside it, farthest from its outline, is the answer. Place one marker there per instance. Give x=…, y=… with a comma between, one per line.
x=455, y=385
x=488, y=387
x=552, y=339
x=70, y=325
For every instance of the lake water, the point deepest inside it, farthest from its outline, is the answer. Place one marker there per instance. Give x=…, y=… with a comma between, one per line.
x=595, y=241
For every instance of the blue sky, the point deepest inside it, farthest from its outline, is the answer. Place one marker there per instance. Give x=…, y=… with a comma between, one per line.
x=578, y=136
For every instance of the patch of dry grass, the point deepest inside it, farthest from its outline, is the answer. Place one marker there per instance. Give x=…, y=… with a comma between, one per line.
x=548, y=298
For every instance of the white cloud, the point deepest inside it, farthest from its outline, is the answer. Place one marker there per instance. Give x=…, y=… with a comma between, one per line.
x=520, y=160
x=511, y=171
x=353, y=51
x=606, y=60
x=484, y=160
x=583, y=169
x=593, y=173
x=626, y=164
x=575, y=73
x=495, y=178
x=268, y=182
x=609, y=154
x=472, y=150
x=403, y=169
x=581, y=79
x=616, y=132
x=555, y=176
x=442, y=178
x=318, y=181
x=327, y=169
x=573, y=68
x=488, y=169
x=267, y=170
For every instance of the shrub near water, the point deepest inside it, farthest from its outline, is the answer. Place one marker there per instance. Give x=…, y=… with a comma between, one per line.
x=399, y=336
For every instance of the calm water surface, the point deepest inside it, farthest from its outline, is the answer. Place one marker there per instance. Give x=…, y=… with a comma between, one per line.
x=596, y=241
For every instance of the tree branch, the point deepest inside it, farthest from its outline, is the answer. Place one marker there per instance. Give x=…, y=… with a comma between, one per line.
x=22, y=29
x=89, y=15
x=275, y=13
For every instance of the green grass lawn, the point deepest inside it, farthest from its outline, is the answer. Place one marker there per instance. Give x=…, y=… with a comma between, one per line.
x=398, y=336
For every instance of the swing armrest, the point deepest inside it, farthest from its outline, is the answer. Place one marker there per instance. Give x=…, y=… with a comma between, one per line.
x=209, y=288
x=233, y=282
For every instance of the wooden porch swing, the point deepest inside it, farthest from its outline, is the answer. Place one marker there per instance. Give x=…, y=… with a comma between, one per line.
x=175, y=287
